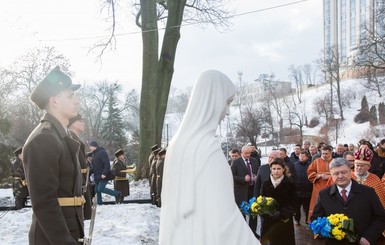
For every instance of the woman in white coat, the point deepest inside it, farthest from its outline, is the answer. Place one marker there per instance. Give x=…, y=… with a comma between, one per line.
x=198, y=205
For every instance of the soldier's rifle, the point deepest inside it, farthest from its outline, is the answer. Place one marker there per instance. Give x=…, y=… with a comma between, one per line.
x=88, y=240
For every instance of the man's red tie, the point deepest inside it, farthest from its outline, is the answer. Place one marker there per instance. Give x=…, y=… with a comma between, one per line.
x=343, y=194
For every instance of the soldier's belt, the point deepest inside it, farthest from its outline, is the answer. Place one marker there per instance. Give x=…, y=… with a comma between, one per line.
x=83, y=170
x=71, y=201
x=120, y=178
x=24, y=182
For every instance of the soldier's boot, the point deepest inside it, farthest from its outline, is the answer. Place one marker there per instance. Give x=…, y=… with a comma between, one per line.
x=19, y=204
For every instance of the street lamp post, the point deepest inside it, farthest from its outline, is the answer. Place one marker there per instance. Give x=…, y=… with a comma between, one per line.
x=336, y=117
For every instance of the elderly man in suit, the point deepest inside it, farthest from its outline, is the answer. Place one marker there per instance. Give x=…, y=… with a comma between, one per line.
x=356, y=201
x=244, y=171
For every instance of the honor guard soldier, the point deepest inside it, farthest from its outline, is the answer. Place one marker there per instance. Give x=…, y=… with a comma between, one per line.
x=121, y=181
x=51, y=164
x=20, y=190
x=76, y=127
x=159, y=176
x=153, y=176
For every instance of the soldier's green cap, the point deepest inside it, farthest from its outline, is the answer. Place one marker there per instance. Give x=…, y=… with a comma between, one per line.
x=154, y=147
x=119, y=152
x=162, y=152
x=18, y=151
x=74, y=119
x=51, y=85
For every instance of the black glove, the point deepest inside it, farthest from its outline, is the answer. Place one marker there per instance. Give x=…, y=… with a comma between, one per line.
x=276, y=215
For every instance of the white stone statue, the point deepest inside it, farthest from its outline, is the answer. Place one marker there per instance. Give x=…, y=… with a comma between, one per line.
x=198, y=205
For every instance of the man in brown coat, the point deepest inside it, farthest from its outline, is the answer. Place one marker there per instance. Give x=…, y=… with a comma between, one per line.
x=51, y=164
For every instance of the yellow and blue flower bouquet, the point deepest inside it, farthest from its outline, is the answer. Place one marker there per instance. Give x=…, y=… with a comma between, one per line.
x=259, y=206
x=335, y=226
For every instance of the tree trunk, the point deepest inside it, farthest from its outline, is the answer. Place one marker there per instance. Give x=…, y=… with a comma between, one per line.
x=157, y=75
x=148, y=98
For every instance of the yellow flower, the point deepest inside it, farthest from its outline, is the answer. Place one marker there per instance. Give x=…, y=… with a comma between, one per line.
x=259, y=199
x=254, y=207
x=338, y=234
x=268, y=200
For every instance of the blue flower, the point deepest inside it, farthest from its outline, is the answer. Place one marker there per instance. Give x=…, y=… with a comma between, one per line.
x=245, y=207
x=252, y=200
x=321, y=226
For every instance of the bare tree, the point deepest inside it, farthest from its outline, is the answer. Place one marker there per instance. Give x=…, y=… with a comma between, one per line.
x=158, y=69
x=333, y=70
x=296, y=75
x=20, y=79
x=310, y=74
x=322, y=106
x=252, y=123
x=370, y=58
x=273, y=99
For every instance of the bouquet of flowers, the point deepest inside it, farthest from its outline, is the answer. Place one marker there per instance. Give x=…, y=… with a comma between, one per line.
x=336, y=226
x=259, y=206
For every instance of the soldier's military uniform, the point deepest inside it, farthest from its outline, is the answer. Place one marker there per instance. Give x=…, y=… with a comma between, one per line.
x=153, y=176
x=84, y=170
x=159, y=176
x=20, y=190
x=121, y=181
x=53, y=172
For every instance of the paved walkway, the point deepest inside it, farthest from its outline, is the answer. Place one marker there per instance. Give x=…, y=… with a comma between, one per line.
x=304, y=236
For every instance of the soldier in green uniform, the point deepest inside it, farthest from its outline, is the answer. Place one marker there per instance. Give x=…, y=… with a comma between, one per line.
x=51, y=165
x=153, y=176
x=159, y=176
x=121, y=181
x=20, y=190
x=76, y=126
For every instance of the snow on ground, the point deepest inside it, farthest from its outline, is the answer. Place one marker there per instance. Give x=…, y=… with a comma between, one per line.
x=133, y=224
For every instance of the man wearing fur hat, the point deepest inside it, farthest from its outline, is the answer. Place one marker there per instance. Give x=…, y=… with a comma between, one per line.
x=51, y=164
x=20, y=190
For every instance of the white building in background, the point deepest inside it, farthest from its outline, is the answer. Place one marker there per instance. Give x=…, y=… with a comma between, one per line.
x=344, y=24
x=256, y=92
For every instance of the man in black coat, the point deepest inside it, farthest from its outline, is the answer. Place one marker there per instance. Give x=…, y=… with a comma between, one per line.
x=362, y=204
x=244, y=171
x=101, y=169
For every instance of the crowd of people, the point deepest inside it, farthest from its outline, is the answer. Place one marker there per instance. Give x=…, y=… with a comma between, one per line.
x=192, y=182
x=311, y=179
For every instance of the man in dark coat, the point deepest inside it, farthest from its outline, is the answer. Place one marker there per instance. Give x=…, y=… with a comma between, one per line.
x=101, y=169
x=76, y=127
x=51, y=165
x=303, y=186
x=362, y=204
x=20, y=190
x=244, y=171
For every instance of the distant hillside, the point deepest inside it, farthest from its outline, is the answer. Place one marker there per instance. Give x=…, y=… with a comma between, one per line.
x=348, y=131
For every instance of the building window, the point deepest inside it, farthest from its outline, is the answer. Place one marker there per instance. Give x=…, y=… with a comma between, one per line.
x=353, y=35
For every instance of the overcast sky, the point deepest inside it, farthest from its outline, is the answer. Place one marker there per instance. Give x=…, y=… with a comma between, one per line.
x=260, y=42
